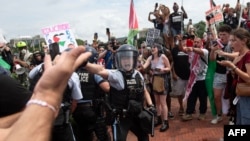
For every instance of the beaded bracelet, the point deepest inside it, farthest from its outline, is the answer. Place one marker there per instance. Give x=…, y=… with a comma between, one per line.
x=42, y=103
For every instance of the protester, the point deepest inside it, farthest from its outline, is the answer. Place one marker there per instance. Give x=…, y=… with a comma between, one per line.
x=37, y=59
x=176, y=21
x=230, y=18
x=101, y=61
x=160, y=66
x=24, y=60
x=109, y=53
x=240, y=68
x=6, y=55
x=145, y=52
x=220, y=76
x=180, y=74
x=37, y=119
x=196, y=88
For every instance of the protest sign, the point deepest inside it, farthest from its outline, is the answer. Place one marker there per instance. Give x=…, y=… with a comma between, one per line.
x=61, y=34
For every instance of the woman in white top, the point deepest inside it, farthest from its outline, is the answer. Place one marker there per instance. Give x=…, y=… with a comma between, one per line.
x=160, y=66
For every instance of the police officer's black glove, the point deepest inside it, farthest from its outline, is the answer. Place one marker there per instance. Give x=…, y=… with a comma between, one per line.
x=152, y=109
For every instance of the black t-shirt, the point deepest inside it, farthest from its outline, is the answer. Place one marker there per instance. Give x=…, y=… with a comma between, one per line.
x=181, y=64
x=13, y=96
x=158, y=25
x=176, y=20
x=219, y=68
x=232, y=21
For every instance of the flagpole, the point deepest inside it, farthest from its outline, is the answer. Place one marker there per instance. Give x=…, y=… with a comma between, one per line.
x=241, y=11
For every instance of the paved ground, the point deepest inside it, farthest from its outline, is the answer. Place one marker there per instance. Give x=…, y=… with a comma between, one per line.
x=194, y=130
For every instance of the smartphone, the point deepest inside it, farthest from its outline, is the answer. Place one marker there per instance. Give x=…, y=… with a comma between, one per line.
x=54, y=50
x=217, y=42
x=96, y=36
x=157, y=69
x=107, y=31
x=214, y=43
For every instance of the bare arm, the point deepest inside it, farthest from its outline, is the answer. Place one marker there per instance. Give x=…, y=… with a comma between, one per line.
x=243, y=75
x=147, y=63
x=97, y=69
x=213, y=54
x=149, y=17
x=36, y=121
x=167, y=64
x=231, y=56
x=147, y=97
x=184, y=13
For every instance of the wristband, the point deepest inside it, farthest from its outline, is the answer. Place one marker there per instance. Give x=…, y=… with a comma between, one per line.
x=42, y=103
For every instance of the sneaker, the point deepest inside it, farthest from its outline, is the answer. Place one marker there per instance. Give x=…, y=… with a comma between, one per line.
x=202, y=117
x=187, y=117
x=170, y=115
x=216, y=120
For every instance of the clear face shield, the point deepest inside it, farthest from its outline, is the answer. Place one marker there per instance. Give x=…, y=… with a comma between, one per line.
x=126, y=60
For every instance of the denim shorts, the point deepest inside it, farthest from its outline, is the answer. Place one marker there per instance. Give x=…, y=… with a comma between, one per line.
x=175, y=32
x=220, y=81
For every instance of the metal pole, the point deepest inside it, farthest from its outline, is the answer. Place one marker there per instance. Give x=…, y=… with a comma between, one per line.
x=241, y=11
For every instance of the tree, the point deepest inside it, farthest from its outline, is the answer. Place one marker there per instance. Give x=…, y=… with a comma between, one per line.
x=200, y=28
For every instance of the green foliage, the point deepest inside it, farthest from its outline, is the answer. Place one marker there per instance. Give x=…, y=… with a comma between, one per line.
x=140, y=40
x=80, y=42
x=200, y=28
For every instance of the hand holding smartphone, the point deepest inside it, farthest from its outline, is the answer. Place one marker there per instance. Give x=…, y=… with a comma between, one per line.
x=157, y=69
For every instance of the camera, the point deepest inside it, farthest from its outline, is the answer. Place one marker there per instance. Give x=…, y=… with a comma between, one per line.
x=208, y=17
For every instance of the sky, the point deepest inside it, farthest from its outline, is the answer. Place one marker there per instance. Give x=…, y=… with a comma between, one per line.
x=28, y=17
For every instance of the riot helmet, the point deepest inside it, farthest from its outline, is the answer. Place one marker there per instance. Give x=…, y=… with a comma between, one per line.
x=94, y=57
x=126, y=58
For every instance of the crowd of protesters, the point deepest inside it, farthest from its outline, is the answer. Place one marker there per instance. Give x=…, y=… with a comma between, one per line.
x=121, y=86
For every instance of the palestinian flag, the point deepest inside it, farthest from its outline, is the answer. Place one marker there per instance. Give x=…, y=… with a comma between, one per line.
x=133, y=24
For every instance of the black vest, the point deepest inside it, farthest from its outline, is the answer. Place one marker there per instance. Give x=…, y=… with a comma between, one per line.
x=134, y=90
x=88, y=84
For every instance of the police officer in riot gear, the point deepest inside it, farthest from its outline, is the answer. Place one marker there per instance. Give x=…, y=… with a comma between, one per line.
x=127, y=93
x=88, y=115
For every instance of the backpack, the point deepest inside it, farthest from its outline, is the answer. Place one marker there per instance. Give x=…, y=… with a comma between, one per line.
x=63, y=115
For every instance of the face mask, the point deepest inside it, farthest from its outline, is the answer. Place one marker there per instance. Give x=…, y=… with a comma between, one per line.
x=23, y=51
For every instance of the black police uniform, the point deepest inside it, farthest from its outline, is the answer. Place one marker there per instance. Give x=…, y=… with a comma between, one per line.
x=86, y=115
x=127, y=104
x=127, y=95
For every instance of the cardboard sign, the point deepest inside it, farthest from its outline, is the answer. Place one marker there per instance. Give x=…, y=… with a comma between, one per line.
x=217, y=14
x=61, y=34
x=152, y=34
